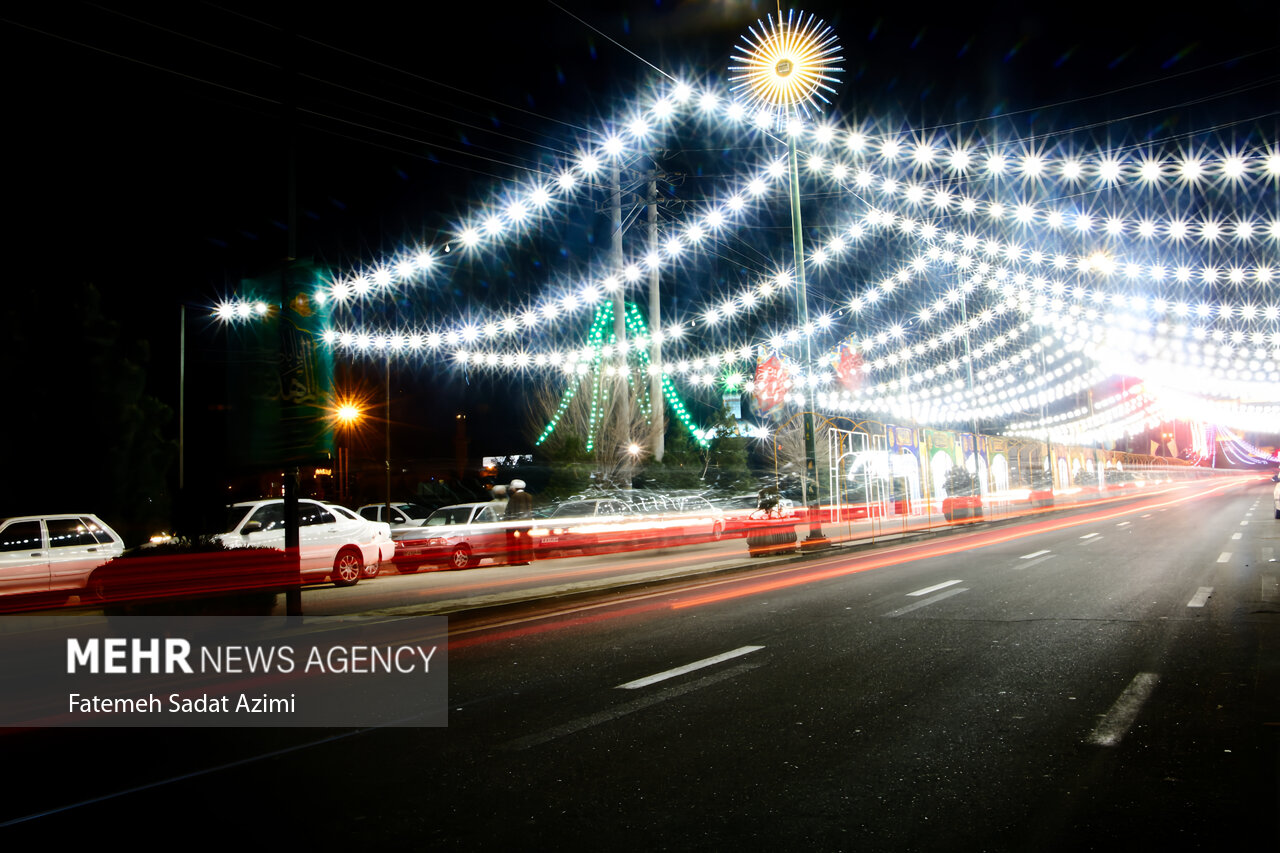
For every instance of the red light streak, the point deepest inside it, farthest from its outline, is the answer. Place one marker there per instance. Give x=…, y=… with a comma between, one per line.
x=918, y=552
x=790, y=576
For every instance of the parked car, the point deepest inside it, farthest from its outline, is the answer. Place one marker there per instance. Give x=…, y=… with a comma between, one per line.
x=403, y=513
x=381, y=532
x=456, y=537
x=49, y=553
x=332, y=545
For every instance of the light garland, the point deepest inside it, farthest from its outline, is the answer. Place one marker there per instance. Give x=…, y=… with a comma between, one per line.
x=1025, y=278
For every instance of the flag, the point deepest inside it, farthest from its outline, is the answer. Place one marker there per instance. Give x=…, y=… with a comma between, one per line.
x=849, y=367
x=773, y=381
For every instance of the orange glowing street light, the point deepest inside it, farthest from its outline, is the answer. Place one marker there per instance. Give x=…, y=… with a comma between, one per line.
x=346, y=414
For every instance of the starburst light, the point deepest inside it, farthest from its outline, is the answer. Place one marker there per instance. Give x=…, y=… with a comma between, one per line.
x=787, y=65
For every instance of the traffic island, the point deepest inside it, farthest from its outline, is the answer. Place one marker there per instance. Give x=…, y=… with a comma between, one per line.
x=962, y=508
x=769, y=536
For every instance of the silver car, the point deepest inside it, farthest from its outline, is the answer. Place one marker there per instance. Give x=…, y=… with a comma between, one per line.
x=457, y=537
x=49, y=553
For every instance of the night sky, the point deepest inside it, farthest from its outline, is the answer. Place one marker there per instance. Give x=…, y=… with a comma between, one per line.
x=147, y=144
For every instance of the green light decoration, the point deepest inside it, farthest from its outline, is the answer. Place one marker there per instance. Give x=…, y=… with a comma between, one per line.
x=599, y=336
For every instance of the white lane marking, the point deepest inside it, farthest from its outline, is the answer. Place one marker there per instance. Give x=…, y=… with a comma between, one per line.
x=639, y=704
x=1243, y=523
x=1090, y=535
x=1270, y=587
x=689, y=667
x=1224, y=556
x=1035, y=562
x=1124, y=524
x=1148, y=515
x=934, y=588
x=1201, y=596
x=1236, y=535
x=926, y=602
x=1032, y=554
x=1116, y=722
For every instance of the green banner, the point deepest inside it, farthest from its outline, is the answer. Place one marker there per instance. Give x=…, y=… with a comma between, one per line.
x=281, y=372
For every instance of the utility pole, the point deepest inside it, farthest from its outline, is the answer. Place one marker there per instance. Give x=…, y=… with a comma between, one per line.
x=288, y=288
x=657, y=410
x=621, y=395
x=387, y=461
x=968, y=361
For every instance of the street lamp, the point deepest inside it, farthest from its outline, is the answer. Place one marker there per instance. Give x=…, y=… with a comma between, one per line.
x=225, y=313
x=346, y=415
x=786, y=67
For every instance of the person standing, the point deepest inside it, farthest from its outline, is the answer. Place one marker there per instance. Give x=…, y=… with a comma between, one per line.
x=519, y=508
x=499, y=500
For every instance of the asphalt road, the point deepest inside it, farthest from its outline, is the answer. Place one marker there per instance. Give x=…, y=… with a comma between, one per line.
x=1103, y=680
x=492, y=583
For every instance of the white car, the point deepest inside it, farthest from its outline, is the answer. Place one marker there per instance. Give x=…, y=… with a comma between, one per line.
x=402, y=514
x=331, y=545
x=48, y=553
x=381, y=532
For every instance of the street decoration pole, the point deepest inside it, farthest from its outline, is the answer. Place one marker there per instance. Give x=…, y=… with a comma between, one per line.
x=785, y=67
x=809, y=482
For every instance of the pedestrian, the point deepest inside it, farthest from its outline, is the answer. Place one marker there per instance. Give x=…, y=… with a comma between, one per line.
x=519, y=508
x=499, y=500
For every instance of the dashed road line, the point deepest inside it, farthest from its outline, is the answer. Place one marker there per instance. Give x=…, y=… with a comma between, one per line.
x=639, y=704
x=934, y=588
x=689, y=667
x=1224, y=557
x=1124, y=524
x=1236, y=535
x=1037, y=561
x=1201, y=596
x=1090, y=535
x=1116, y=722
x=926, y=602
x=1033, y=554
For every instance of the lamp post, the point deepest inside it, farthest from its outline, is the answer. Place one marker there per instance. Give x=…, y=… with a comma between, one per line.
x=346, y=415
x=225, y=313
x=387, y=459
x=785, y=67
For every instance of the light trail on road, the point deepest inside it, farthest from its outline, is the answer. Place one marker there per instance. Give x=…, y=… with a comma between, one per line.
x=791, y=576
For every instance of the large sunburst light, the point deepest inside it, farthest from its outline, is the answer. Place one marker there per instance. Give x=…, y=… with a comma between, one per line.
x=787, y=65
